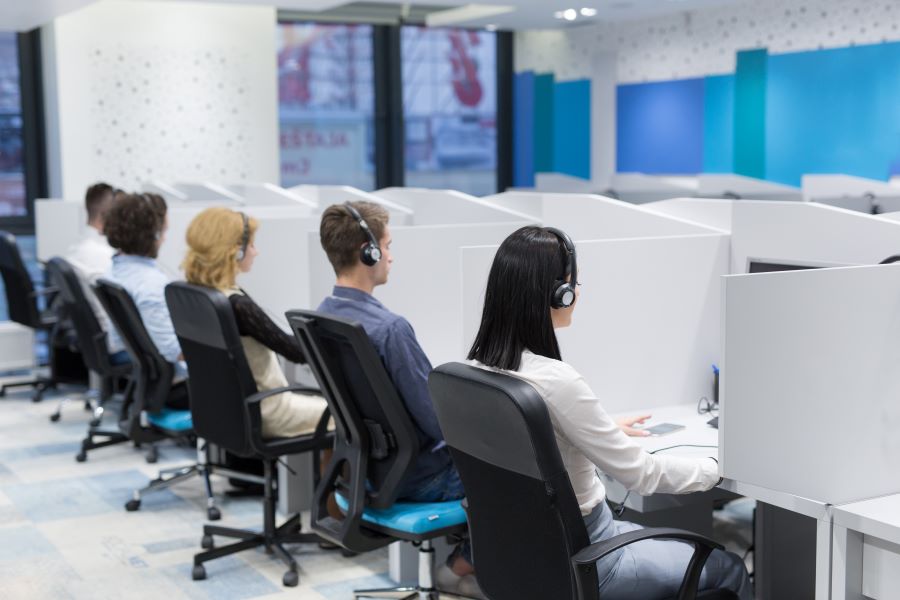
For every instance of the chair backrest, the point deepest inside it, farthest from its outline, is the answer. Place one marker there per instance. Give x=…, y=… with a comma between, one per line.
x=375, y=440
x=220, y=378
x=91, y=337
x=522, y=511
x=20, y=294
x=151, y=372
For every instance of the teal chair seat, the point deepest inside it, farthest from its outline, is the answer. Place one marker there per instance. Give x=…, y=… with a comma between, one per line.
x=413, y=517
x=172, y=420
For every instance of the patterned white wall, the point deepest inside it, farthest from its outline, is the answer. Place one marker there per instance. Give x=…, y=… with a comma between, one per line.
x=157, y=90
x=704, y=43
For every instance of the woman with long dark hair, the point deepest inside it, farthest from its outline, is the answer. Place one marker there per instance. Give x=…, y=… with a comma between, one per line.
x=531, y=291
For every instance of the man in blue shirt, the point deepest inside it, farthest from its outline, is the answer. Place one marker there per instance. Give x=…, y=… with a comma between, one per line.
x=343, y=236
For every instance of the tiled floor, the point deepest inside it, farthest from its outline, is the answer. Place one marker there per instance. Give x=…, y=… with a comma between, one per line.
x=65, y=534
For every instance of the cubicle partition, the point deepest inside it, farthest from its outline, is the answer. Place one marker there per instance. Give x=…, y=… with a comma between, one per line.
x=804, y=232
x=209, y=192
x=446, y=207
x=810, y=359
x=58, y=223
x=639, y=188
x=853, y=193
x=729, y=185
x=645, y=332
x=326, y=195
x=268, y=194
x=424, y=285
x=169, y=192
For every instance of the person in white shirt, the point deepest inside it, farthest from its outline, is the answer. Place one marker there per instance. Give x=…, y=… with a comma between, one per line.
x=531, y=291
x=92, y=257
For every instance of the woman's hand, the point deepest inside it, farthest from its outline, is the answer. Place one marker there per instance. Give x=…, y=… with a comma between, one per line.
x=627, y=424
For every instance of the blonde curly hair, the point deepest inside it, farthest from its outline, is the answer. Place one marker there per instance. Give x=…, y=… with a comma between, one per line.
x=214, y=238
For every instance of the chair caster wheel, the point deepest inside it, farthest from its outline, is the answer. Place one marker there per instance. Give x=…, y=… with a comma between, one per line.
x=132, y=505
x=213, y=513
x=207, y=542
x=37, y=397
x=348, y=553
x=198, y=573
x=290, y=579
x=81, y=456
x=54, y=417
x=152, y=455
x=94, y=422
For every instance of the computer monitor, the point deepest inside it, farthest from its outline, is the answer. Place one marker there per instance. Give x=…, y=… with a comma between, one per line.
x=765, y=265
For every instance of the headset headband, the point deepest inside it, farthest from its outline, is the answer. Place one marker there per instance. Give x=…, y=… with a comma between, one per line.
x=571, y=259
x=371, y=252
x=245, y=237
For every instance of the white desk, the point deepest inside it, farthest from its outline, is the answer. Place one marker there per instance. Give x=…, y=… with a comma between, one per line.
x=698, y=433
x=866, y=550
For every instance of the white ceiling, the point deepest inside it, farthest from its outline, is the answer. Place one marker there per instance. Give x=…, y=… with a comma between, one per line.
x=21, y=15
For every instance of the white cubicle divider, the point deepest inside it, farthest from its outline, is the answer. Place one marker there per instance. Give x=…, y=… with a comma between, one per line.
x=592, y=217
x=645, y=331
x=809, y=382
x=170, y=193
x=561, y=183
x=269, y=194
x=709, y=212
x=853, y=193
x=448, y=207
x=424, y=284
x=326, y=195
x=279, y=280
x=711, y=185
x=58, y=224
x=639, y=188
x=208, y=192
x=806, y=232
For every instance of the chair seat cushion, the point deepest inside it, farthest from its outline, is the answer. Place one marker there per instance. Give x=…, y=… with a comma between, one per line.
x=413, y=517
x=172, y=420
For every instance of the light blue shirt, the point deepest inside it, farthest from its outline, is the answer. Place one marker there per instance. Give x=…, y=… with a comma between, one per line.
x=146, y=283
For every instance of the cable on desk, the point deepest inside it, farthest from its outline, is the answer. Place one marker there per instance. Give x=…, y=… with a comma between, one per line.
x=705, y=406
x=619, y=509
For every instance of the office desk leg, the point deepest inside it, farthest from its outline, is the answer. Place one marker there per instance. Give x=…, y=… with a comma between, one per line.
x=846, y=564
x=786, y=555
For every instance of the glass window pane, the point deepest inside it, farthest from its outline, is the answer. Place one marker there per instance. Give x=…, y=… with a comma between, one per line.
x=326, y=100
x=12, y=173
x=450, y=108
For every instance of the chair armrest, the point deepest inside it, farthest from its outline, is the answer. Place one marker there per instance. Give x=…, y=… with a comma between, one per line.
x=258, y=397
x=703, y=546
x=45, y=291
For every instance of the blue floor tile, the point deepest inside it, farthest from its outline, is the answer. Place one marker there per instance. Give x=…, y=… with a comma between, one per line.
x=228, y=578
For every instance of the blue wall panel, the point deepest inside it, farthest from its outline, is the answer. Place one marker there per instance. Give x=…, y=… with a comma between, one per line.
x=718, y=124
x=543, y=122
x=833, y=111
x=523, y=129
x=572, y=128
x=659, y=127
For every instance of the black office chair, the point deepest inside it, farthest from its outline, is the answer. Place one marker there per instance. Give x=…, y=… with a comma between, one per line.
x=528, y=536
x=145, y=419
x=22, y=302
x=226, y=404
x=92, y=340
x=375, y=448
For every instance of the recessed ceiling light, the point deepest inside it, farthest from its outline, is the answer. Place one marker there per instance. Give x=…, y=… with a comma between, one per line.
x=588, y=12
x=570, y=14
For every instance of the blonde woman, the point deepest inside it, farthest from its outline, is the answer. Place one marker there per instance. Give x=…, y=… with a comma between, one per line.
x=220, y=246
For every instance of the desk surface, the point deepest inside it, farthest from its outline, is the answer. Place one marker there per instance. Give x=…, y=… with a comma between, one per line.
x=698, y=433
x=878, y=517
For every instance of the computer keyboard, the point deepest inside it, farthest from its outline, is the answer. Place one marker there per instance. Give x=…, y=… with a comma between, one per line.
x=714, y=422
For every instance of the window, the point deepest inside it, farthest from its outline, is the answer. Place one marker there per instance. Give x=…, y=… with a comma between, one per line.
x=12, y=174
x=450, y=109
x=326, y=103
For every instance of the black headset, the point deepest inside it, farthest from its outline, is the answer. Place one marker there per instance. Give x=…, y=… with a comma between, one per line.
x=245, y=238
x=369, y=254
x=564, y=291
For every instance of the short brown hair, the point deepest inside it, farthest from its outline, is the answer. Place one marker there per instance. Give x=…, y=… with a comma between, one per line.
x=135, y=223
x=341, y=235
x=214, y=238
x=97, y=200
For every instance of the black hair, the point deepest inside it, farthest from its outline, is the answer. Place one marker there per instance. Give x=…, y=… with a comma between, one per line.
x=97, y=200
x=517, y=301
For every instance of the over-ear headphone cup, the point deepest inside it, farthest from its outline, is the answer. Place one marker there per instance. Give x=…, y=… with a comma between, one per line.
x=370, y=255
x=563, y=296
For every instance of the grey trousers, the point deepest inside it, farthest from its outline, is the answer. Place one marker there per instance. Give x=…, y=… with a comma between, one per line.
x=652, y=569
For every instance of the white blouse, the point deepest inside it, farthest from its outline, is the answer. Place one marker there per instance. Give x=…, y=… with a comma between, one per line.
x=588, y=438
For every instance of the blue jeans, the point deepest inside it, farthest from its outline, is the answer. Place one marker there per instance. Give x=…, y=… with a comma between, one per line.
x=443, y=487
x=655, y=568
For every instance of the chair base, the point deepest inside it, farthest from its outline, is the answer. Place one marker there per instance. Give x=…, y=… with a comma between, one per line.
x=40, y=384
x=287, y=533
x=272, y=538
x=424, y=590
x=169, y=477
